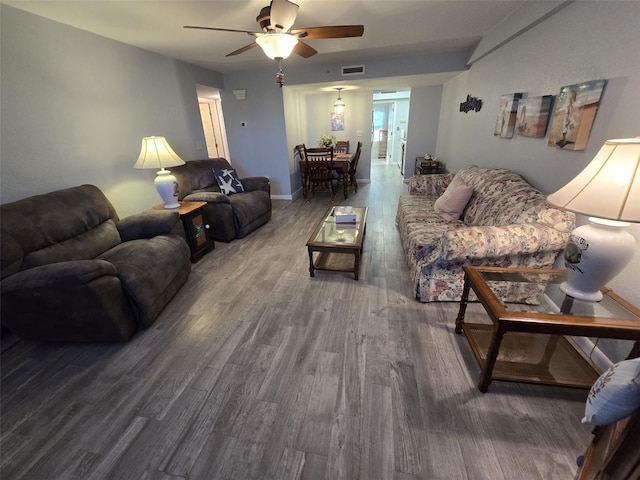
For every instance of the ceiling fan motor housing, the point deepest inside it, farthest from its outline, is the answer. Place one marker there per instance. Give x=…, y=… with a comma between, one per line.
x=264, y=19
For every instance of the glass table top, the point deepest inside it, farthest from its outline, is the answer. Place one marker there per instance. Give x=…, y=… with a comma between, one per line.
x=552, y=300
x=334, y=233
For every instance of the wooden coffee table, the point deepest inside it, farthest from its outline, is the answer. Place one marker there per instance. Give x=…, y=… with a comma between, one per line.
x=527, y=343
x=339, y=245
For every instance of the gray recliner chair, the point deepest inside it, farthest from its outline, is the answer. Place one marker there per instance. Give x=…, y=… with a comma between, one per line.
x=232, y=216
x=73, y=271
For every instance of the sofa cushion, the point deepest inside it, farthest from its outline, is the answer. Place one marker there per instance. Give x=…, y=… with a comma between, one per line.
x=151, y=271
x=228, y=180
x=77, y=223
x=499, y=196
x=249, y=205
x=197, y=175
x=451, y=203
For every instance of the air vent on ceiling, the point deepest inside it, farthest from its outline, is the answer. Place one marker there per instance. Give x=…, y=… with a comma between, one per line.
x=353, y=70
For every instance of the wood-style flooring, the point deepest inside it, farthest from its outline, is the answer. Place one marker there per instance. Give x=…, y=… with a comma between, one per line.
x=257, y=371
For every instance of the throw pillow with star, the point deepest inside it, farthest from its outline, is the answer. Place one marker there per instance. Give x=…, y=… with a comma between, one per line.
x=228, y=180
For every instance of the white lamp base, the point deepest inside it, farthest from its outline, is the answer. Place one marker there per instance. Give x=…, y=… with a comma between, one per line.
x=594, y=255
x=167, y=186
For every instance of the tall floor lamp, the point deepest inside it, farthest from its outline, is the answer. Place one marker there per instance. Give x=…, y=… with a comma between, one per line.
x=156, y=153
x=608, y=190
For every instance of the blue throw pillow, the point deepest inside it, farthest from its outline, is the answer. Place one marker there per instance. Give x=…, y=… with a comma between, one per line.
x=228, y=180
x=615, y=395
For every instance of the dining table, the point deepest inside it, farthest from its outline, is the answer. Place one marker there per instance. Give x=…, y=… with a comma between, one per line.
x=341, y=163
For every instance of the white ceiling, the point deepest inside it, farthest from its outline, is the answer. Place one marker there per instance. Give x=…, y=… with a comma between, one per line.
x=391, y=27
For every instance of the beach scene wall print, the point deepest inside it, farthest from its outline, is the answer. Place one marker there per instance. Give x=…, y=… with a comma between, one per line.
x=533, y=116
x=574, y=115
x=507, y=112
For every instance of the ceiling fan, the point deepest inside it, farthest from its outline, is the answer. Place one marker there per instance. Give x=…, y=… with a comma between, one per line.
x=278, y=40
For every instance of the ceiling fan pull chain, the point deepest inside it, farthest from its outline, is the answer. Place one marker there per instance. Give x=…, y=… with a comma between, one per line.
x=280, y=74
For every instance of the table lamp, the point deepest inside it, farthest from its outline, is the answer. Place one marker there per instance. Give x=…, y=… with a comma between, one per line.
x=608, y=191
x=156, y=153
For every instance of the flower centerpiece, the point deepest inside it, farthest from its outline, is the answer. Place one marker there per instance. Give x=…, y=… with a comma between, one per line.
x=326, y=141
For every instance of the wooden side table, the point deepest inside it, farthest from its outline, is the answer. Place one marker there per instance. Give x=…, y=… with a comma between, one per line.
x=427, y=167
x=613, y=452
x=195, y=228
x=528, y=343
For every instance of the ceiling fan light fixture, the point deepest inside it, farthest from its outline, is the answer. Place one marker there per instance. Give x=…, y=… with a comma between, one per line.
x=277, y=45
x=338, y=106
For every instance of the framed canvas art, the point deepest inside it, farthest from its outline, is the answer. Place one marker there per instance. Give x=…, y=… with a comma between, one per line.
x=574, y=115
x=533, y=116
x=507, y=111
x=337, y=122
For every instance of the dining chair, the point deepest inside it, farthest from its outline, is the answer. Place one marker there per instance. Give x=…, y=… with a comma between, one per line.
x=342, y=146
x=319, y=169
x=353, y=167
x=298, y=156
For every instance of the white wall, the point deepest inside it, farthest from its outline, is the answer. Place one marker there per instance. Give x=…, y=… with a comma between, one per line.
x=75, y=107
x=583, y=41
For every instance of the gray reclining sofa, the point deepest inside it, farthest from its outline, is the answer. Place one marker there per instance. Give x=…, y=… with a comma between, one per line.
x=73, y=271
x=230, y=216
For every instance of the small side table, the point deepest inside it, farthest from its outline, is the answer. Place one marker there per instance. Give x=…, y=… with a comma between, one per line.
x=527, y=343
x=427, y=167
x=195, y=228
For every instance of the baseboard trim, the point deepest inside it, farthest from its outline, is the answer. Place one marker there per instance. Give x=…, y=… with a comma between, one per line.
x=593, y=352
x=298, y=193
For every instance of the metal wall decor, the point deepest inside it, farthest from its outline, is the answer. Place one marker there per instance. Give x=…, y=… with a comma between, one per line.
x=471, y=104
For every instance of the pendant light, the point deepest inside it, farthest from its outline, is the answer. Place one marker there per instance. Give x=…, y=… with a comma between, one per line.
x=338, y=107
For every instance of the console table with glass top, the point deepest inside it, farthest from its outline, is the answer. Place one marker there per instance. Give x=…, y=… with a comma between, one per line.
x=528, y=343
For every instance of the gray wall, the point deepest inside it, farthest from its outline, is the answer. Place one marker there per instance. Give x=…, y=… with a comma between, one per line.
x=423, y=128
x=75, y=107
x=259, y=148
x=583, y=41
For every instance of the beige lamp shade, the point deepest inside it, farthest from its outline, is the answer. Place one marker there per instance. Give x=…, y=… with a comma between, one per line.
x=156, y=153
x=277, y=45
x=609, y=187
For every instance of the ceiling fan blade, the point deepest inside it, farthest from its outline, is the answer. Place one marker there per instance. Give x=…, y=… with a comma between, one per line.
x=221, y=29
x=304, y=50
x=336, y=31
x=242, y=50
x=283, y=14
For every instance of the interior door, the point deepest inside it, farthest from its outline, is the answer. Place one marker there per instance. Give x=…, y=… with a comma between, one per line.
x=214, y=132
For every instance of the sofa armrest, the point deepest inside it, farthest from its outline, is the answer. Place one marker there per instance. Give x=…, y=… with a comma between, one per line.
x=497, y=241
x=429, y=185
x=147, y=224
x=209, y=197
x=252, y=184
x=78, y=272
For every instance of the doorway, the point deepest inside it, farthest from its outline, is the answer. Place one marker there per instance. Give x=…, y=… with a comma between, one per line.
x=390, y=119
x=382, y=129
x=212, y=118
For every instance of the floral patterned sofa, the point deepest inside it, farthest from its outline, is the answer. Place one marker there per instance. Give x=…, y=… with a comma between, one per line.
x=506, y=223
